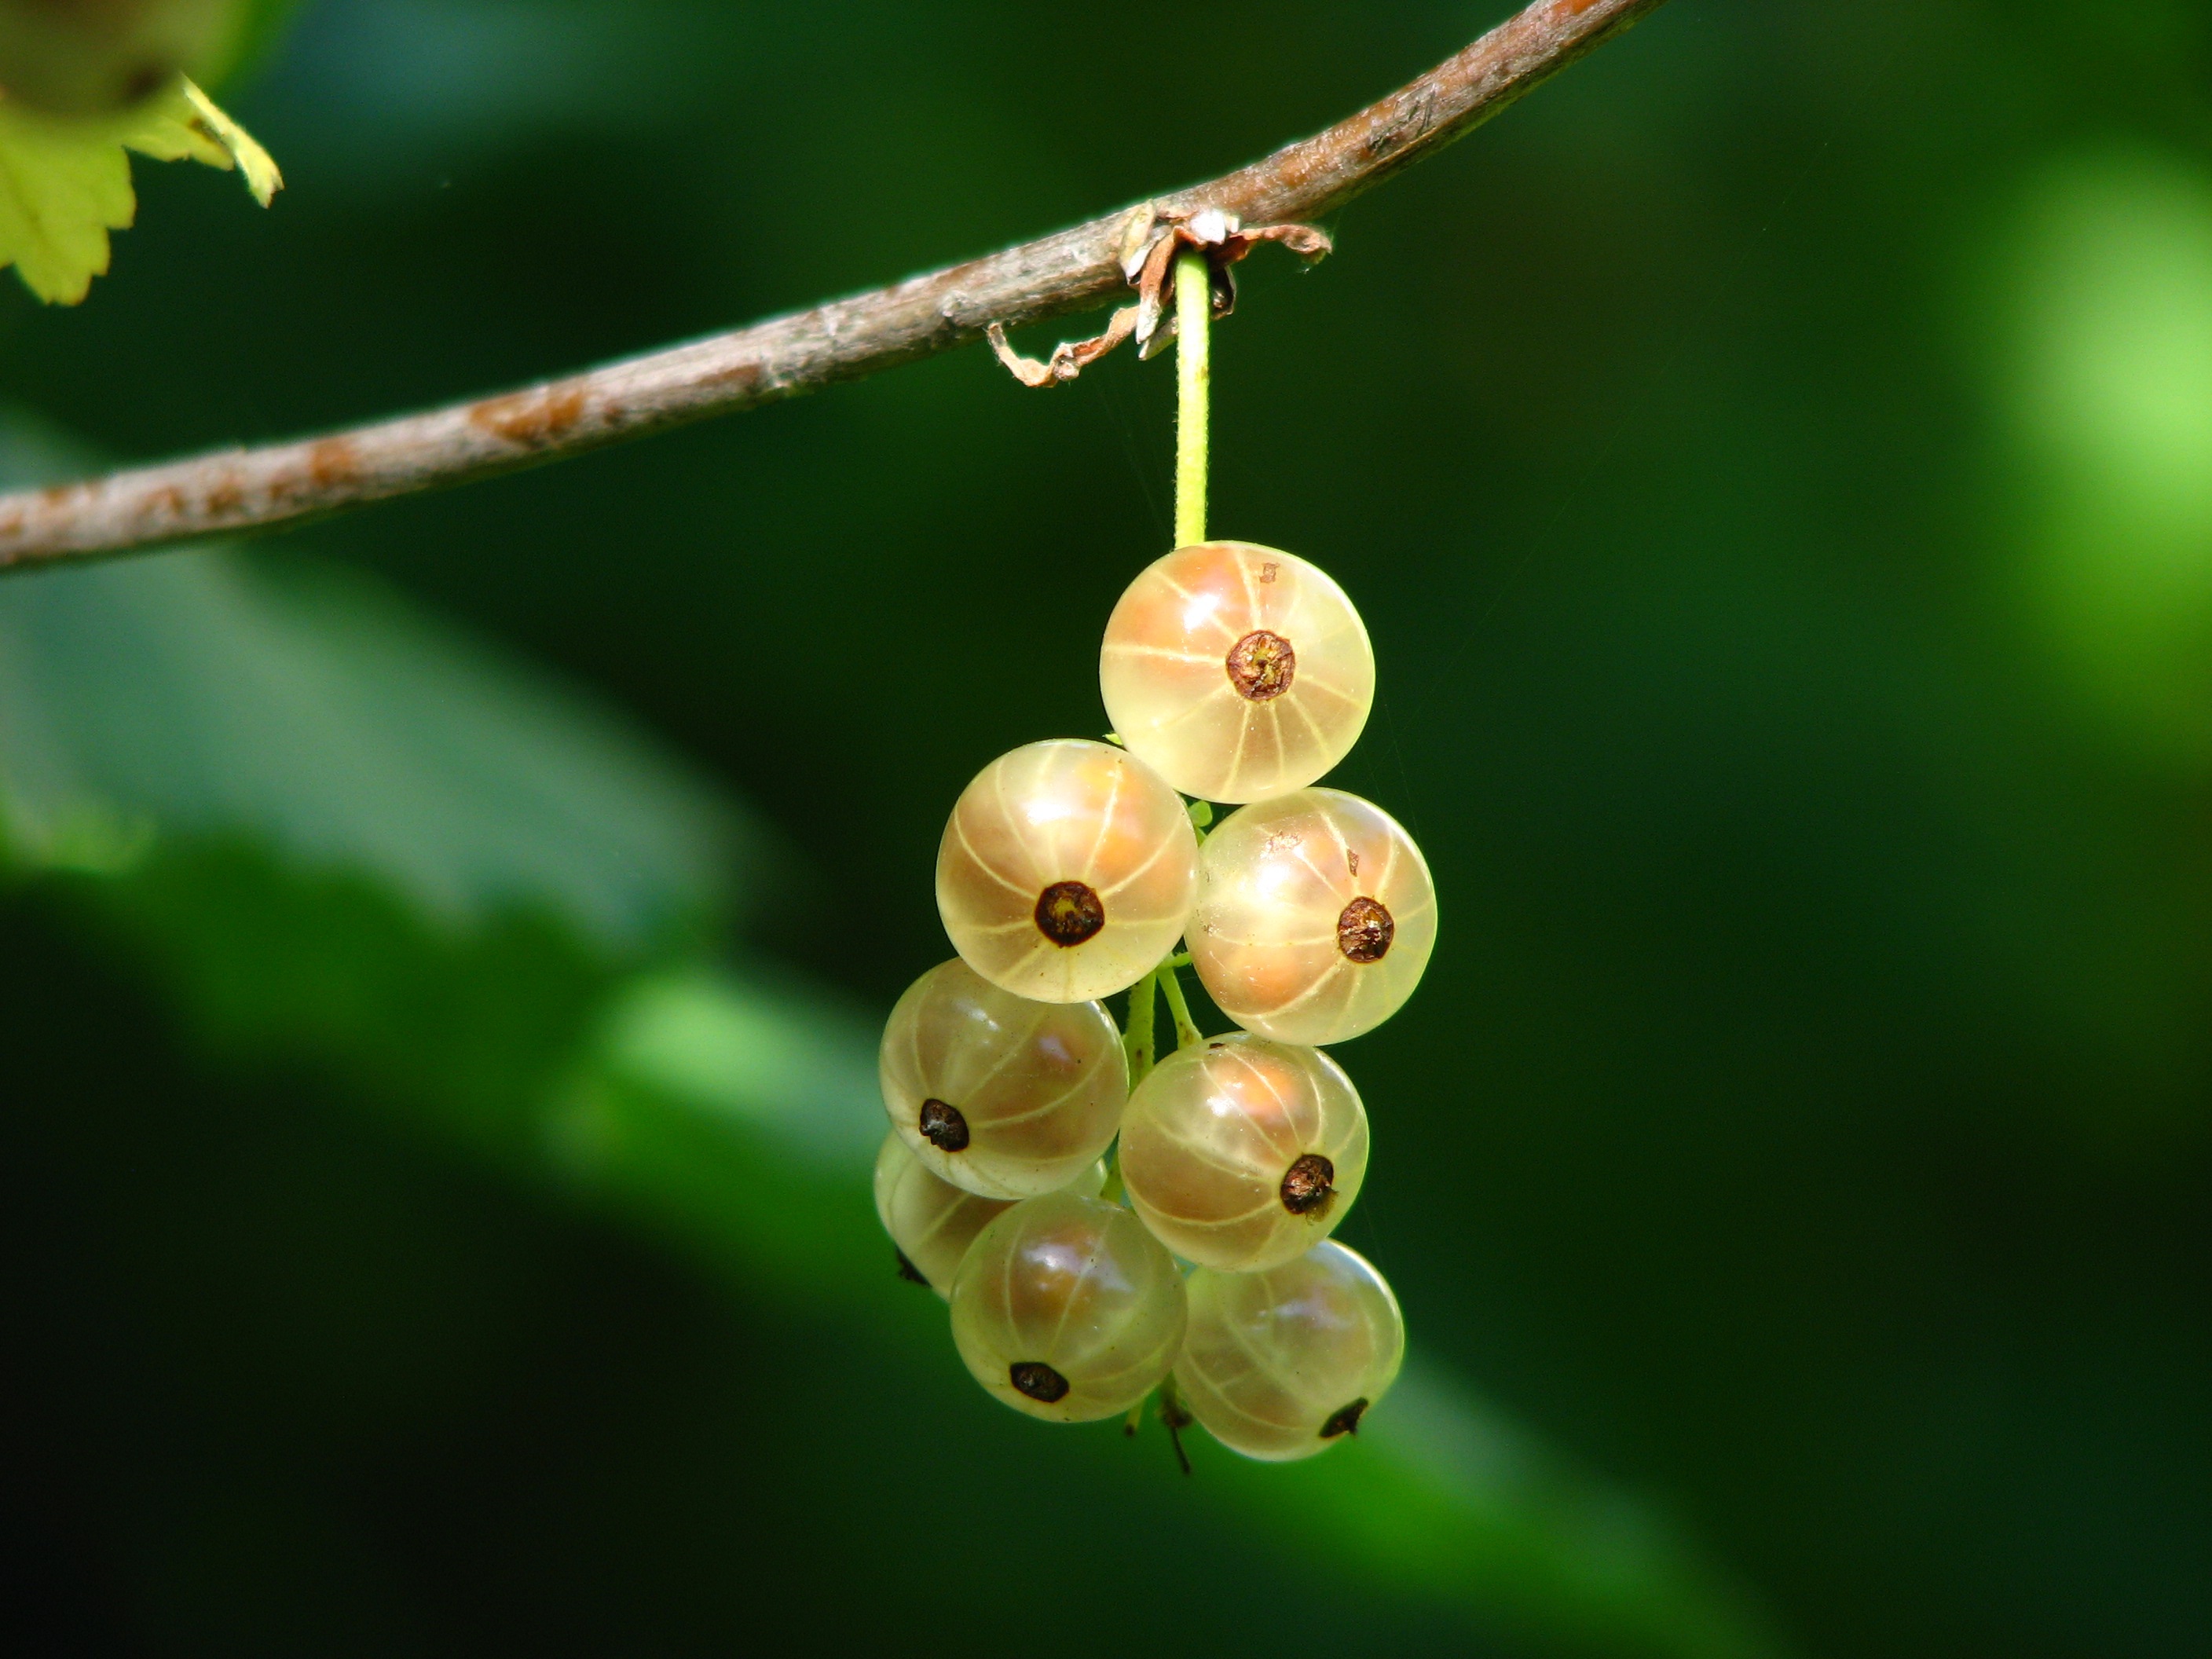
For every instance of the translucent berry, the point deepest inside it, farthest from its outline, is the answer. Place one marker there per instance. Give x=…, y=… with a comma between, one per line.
x=1001, y=1096
x=1065, y=1307
x=1238, y=673
x=1315, y=916
x=932, y=1222
x=1066, y=871
x=1242, y=1153
x=1283, y=1363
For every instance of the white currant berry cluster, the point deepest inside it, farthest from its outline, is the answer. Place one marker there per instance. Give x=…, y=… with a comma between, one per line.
x=1069, y=871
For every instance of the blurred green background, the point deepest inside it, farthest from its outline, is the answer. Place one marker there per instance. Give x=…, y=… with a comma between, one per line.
x=438, y=949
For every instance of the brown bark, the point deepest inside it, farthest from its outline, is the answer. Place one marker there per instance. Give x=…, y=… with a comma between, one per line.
x=1072, y=270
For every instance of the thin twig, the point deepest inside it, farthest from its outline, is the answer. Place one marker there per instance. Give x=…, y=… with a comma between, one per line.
x=1076, y=269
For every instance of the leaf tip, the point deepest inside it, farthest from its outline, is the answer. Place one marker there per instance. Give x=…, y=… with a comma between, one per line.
x=264, y=179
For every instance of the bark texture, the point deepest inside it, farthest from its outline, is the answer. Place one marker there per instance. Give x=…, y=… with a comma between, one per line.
x=1075, y=270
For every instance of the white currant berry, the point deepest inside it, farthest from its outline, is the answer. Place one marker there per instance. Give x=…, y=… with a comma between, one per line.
x=1067, y=1309
x=1283, y=1363
x=1242, y=1153
x=1066, y=871
x=932, y=1222
x=1000, y=1096
x=1315, y=916
x=1238, y=673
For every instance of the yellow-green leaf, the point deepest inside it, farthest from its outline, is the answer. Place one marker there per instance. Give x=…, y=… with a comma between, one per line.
x=186, y=123
x=61, y=192
x=64, y=184
x=255, y=164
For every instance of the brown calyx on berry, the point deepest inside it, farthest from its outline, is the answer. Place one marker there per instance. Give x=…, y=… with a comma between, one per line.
x=943, y=1127
x=1345, y=1420
x=1365, y=930
x=1040, y=1382
x=1069, y=912
x=907, y=1270
x=1309, y=1185
x=1261, y=665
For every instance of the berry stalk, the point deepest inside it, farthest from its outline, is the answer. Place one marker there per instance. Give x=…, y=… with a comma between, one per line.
x=1137, y=1040
x=1177, y=1417
x=1188, y=1035
x=1194, y=394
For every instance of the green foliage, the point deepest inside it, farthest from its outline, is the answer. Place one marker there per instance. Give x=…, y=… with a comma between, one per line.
x=700, y=1087
x=97, y=58
x=65, y=184
x=338, y=838
x=310, y=713
x=2106, y=368
x=1794, y=677
x=261, y=26
x=61, y=191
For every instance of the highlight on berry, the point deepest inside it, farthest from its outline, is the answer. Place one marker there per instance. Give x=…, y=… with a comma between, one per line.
x=1066, y=871
x=1067, y=1309
x=1245, y=1152
x=1286, y=1362
x=1238, y=673
x=1315, y=916
x=932, y=1222
x=997, y=1095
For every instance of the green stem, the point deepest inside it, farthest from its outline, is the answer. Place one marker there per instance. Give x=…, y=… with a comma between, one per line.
x=1188, y=1035
x=1137, y=1039
x=1193, y=389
